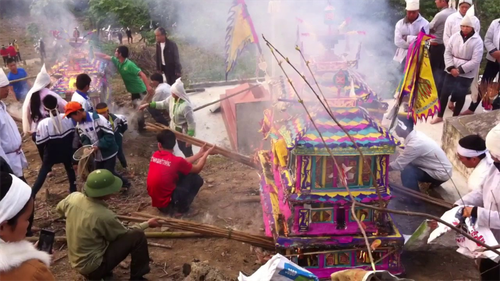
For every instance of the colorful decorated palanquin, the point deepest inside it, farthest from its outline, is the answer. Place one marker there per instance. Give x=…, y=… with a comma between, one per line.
x=77, y=63
x=306, y=206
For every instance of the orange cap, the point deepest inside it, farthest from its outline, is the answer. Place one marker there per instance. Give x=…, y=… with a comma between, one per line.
x=71, y=107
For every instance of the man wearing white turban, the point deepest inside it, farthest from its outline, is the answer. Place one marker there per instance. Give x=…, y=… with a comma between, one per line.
x=181, y=114
x=483, y=206
x=10, y=139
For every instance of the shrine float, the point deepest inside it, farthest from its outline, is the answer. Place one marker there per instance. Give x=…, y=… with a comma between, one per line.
x=306, y=208
x=77, y=62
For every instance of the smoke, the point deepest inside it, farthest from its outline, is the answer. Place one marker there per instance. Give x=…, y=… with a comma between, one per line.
x=204, y=23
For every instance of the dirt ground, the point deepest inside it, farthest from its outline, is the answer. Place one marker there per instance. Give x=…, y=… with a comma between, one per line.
x=225, y=182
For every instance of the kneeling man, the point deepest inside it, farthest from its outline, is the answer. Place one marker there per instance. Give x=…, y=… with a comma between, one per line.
x=173, y=181
x=472, y=152
x=97, y=241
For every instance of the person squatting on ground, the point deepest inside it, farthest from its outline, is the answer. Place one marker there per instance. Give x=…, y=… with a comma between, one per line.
x=10, y=138
x=56, y=134
x=422, y=160
x=33, y=110
x=95, y=130
x=20, y=260
x=173, y=182
x=134, y=79
x=462, y=57
x=97, y=241
x=119, y=126
x=482, y=203
x=81, y=95
x=181, y=114
x=472, y=152
x=162, y=92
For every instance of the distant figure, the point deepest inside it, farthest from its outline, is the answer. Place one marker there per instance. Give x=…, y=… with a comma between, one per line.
x=120, y=37
x=12, y=52
x=16, y=46
x=76, y=34
x=407, y=30
x=20, y=88
x=130, y=39
x=167, y=56
x=41, y=45
x=5, y=55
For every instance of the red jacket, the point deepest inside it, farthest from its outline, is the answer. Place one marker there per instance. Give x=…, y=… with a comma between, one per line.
x=4, y=52
x=12, y=51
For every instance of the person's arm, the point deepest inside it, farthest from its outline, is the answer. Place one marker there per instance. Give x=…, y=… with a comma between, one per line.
x=399, y=41
x=447, y=31
x=61, y=207
x=448, y=57
x=112, y=228
x=84, y=139
x=434, y=21
x=43, y=273
x=473, y=198
x=107, y=138
x=406, y=157
x=189, y=115
x=102, y=56
x=178, y=66
x=197, y=156
x=474, y=63
x=160, y=105
x=123, y=125
x=146, y=83
x=201, y=163
x=490, y=46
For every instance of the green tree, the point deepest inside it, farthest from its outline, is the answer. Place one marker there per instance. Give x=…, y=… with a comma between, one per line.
x=124, y=12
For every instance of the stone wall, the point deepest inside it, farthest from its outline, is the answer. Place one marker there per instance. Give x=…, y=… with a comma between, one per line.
x=457, y=127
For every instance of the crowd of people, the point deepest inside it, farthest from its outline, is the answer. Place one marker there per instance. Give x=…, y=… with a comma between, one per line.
x=10, y=52
x=97, y=241
x=455, y=53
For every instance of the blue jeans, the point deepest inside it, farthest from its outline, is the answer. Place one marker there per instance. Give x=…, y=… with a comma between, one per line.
x=412, y=175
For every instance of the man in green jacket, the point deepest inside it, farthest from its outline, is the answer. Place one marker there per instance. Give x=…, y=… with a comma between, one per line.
x=95, y=130
x=97, y=241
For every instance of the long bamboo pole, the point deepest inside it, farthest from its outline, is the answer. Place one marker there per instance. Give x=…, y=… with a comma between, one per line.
x=159, y=235
x=418, y=195
x=22, y=79
x=194, y=141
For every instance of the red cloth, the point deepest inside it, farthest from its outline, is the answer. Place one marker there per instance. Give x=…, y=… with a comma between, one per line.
x=12, y=51
x=163, y=175
x=4, y=53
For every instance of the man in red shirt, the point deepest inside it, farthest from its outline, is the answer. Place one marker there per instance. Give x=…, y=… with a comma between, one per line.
x=12, y=51
x=173, y=181
x=5, y=55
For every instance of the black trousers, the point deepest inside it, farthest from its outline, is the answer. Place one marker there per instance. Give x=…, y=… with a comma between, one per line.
x=110, y=166
x=186, y=150
x=436, y=57
x=169, y=74
x=457, y=88
x=185, y=191
x=490, y=72
x=489, y=270
x=158, y=116
x=132, y=243
x=136, y=99
x=121, y=157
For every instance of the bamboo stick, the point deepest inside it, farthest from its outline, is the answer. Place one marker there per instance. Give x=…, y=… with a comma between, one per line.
x=256, y=240
x=197, y=142
x=159, y=245
x=227, y=97
x=158, y=235
x=22, y=79
x=421, y=196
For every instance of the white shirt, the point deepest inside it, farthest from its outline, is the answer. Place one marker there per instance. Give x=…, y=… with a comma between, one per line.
x=57, y=127
x=86, y=103
x=492, y=39
x=411, y=31
x=162, y=46
x=162, y=92
x=10, y=142
x=467, y=55
x=486, y=199
x=480, y=173
x=424, y=153
x=452, y=26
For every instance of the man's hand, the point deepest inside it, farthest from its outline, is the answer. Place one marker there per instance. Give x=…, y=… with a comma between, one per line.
x=143, y=106
x=467, y=212
x=150, y=90
x=454, y=72
x=496, y=55
x=153, y=223
x=210, y=151
x=95, y=148
x=203, y=148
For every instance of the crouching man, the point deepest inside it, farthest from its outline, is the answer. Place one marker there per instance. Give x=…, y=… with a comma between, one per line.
x=173, y=182
x=97, y=241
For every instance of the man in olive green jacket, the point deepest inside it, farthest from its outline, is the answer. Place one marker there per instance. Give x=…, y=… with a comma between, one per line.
x=97, y=241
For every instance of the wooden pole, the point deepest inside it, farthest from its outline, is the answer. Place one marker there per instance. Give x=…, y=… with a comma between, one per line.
x=22, y=79
x=158, y=235
x=227, y=97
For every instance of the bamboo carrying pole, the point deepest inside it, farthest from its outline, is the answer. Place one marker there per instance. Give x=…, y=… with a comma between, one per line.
x=158, y=235
x=210, y=230
x=194, y=141
x=22, y=79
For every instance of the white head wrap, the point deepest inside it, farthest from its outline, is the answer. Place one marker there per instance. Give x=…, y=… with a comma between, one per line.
x=14, y=201
x=412, y=5
x=467, y=20
x=465, y=152
x=42, y=81
x=493, y=141
x=3, y=79
x=465, y=1
x=178, y=90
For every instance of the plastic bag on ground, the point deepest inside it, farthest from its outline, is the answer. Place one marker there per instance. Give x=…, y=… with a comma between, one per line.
x=279, y=268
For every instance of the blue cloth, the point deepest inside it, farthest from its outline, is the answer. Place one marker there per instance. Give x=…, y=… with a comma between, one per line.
x=20, y=88
x=412, y=175
x=84, y=95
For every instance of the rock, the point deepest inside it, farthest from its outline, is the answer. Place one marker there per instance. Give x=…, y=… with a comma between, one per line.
x=202, y=271
x=209, y=180
x=210, y=185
